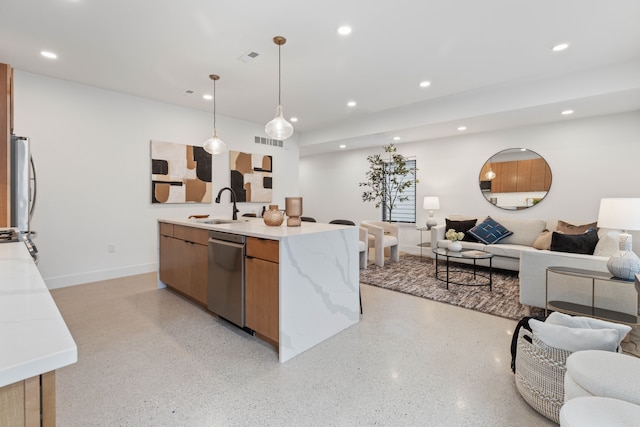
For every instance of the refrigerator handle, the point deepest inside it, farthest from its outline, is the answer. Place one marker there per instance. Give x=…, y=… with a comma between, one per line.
x=33, y=187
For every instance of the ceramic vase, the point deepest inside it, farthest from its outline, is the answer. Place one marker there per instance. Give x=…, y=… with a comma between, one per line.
x=273, y=216
x=455, y=245
x=293, y=208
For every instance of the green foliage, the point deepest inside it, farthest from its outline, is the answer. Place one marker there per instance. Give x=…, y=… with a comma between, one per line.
x=387, y=179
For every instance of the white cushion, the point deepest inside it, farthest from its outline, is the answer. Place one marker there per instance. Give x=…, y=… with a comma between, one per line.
x=599, y=411
x=524, y=231
x=557, y=318
x=606, y=374
x=574, y=339
x=608, y=243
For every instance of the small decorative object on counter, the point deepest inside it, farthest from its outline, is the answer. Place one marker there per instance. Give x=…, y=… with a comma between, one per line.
x=293, y=207
x=273, y=216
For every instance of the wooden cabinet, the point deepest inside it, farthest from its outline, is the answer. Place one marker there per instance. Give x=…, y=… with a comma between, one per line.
x=6, y=127
x=31, y=402
x=506, y=180
x=184, y=259
x=262, y=271
x=519, y=176
x=540, y=175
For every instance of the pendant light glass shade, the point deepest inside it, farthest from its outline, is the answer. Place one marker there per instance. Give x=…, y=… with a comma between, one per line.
x=214, y=145
x=279, y=128
x=490, y=174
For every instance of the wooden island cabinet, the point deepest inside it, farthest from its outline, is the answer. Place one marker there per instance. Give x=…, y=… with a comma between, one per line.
x=301, y=283
x=184, y=257
x=261, y=287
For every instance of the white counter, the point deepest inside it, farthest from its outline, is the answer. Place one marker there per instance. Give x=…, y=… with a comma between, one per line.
x=319, y=278
x=34, y=338
x=255, y=227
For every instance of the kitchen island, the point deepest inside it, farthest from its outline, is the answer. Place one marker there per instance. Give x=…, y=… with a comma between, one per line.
x=302, y=283
x=34, y=341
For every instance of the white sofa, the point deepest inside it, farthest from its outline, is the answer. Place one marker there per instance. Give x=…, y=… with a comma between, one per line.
x=516, y=253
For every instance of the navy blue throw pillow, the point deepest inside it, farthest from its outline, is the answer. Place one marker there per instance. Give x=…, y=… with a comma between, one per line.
x=490, y=231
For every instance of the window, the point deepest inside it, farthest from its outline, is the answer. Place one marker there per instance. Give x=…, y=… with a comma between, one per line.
x=404, y=205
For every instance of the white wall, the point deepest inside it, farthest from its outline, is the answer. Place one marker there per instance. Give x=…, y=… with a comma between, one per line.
x=92, y=153
x=589, y=159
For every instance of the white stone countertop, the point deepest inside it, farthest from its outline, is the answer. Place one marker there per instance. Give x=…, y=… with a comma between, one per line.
x=255, y=227
x=34, y=338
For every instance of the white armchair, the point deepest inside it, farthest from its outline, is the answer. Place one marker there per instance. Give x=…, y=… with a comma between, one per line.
x=364, y=247
x=383, y=235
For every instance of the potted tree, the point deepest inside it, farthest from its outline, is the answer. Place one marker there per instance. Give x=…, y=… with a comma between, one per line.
x=387, y=179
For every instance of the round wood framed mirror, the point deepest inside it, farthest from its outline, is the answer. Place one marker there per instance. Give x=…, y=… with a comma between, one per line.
x=514, y=179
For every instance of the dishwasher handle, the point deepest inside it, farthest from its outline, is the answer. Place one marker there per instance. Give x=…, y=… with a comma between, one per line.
x=226, y=243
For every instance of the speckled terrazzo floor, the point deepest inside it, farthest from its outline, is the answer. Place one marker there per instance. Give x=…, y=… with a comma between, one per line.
x=149, y=358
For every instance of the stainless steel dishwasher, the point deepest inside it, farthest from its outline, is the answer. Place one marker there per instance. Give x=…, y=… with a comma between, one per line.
x=226, y=276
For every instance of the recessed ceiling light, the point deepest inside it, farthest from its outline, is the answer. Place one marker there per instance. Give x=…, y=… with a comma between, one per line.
x=293, y=119
x=343, y=146
x=567, y=112
x=351, y=103
x=461, y=128
x=345, y=30
x=396, y=138
x=48, y=54
x=425, y=84
x=560, y=47
x=207, y=97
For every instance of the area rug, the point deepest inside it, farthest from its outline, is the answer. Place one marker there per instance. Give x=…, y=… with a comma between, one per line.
x=416, y=276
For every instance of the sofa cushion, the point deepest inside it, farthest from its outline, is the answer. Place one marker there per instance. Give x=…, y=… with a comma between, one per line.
x=463, y=226
x=524, y=231
x=584, y=243
x=543, y=241
x=490, y=231
x=568, y=228
x=608, y=243
x=506, y=250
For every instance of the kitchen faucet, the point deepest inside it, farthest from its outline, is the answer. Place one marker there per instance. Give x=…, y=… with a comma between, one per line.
x=233, y=199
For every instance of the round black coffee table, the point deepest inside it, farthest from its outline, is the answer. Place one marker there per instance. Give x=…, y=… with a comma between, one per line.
x=479, y=279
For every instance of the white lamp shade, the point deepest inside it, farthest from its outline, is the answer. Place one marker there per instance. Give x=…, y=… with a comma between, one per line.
x=619, y=214
x=431, y=203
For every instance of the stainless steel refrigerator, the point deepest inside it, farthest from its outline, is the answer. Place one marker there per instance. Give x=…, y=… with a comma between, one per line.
x=23, y=191
x=23, y=184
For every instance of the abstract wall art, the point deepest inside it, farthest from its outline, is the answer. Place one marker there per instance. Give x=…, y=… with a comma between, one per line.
x=251, y=176
x=180, y=173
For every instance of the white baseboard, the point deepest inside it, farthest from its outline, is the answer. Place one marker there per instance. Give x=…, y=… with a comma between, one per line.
x=96, y=276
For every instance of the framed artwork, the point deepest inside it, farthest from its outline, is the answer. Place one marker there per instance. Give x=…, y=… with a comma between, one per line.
x=251, y=176
x=180, y=173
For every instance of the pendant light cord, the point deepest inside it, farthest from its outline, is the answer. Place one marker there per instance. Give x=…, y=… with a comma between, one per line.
x=214, y=104
x=279, y=74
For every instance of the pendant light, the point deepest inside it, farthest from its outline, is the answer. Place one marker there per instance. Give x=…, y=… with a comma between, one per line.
x=214, y=145
x=279, y=128
x=490, y=173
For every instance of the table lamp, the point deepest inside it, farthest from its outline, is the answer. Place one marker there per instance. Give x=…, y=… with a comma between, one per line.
x=431, y=203
x=622, y=214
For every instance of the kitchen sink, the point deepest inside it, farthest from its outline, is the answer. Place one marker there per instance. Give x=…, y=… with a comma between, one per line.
x=218, y=220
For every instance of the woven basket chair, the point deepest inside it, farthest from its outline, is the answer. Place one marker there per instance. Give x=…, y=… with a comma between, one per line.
x=540, y=373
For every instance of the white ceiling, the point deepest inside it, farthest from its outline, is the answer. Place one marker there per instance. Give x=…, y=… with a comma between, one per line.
x=490, y=62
